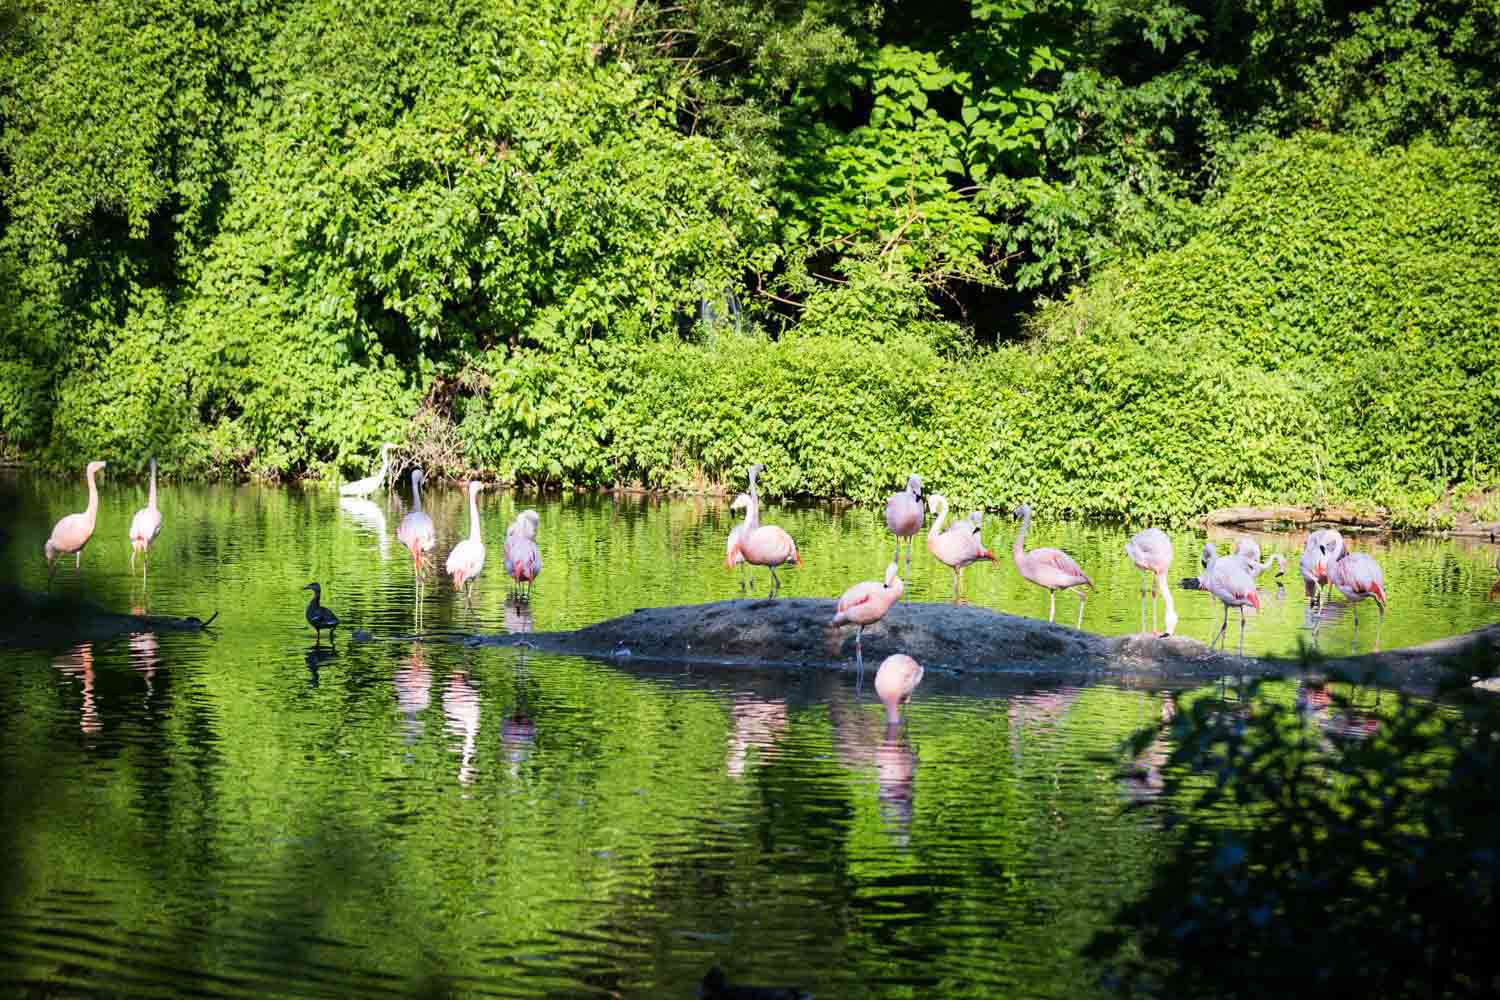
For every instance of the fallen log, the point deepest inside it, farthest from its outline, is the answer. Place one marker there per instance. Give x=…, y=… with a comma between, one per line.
x=30, y=620
x=1300, y=516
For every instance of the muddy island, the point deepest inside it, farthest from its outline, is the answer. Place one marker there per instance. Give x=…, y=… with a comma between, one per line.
x=795, y=632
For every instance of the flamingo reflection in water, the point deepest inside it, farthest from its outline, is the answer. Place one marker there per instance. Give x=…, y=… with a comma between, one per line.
x=144, y=655
x=757, y=723
x=1145, y=779
x=79, y=662
x=461, y=713
x=413, y=683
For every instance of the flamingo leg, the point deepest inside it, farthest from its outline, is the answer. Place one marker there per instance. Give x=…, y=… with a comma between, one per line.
x=1242, y=627
x=1153, y=599
x=775, y=582
x=1223, y=627
x=1082, y=600
x=1051, y=606
x=955, y=586
x=1378, y=626
x=132, y=558
x=859, y=659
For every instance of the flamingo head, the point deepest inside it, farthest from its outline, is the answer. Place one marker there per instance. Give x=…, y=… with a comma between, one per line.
x=1022, y=511
x=741, y=501
x=1209, y=554
x=417, y=479
x=474, y=487
x=892, y=573
x=755, y=470
x=95, y=467
x=914, y=486
x=152, y=464
x=938, y=504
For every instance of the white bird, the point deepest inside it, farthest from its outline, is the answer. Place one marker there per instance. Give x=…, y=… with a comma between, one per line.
x=466, y=561
x=144, y=528
x=368, y=485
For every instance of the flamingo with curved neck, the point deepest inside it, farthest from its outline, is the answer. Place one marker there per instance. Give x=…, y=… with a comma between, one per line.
x=70, y=534
x=1050, y=568
x=763, y=544
x=959, y=545
x=1151, y=551
x=1232, y=583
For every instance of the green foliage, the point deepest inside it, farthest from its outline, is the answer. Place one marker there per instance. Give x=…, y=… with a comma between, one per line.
x=1343, y=850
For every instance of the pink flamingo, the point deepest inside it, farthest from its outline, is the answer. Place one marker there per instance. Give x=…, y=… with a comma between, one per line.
x=1050, y=568
x=1323, y=546
x=1233, y=585
x=732, y=555
x=417, y=533
x=466, y=561
x=866, y=603
x=144, y=527
x=73, y=532
x=1151, y=551
x=957, y=547
x=896, y=679
x=904, y=514
x=762, y=544
x=523, y=560
x=1357, y=576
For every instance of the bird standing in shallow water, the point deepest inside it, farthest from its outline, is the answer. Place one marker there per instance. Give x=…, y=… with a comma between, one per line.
x=466, y=561
x=369, y=484
x=957, y=547
x=72, y=533
x=1232, y=584
x=1323, y=546
x=1151, y=551
x=318, y=616
x=416, y=532
x=904, y=513
x=1357, y=576
x=866, y=603
x=1050, y=568
x=144, y=528
x=896, y=679
x=523, y=560
x=762, y=544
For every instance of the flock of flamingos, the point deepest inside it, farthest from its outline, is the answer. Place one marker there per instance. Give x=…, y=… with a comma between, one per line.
x=1230, y=579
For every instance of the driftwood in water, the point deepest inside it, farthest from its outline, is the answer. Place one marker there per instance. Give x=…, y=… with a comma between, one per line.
x=1344, y=516
x=30, y=620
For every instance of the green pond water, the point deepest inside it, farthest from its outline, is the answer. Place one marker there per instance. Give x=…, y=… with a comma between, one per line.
x=241, y=813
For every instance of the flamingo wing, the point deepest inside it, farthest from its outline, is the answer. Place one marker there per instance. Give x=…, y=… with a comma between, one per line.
x=1060, y=561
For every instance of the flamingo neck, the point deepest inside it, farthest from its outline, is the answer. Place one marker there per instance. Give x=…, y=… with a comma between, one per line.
x=416, y=496
x=752, y=512
x=473, y=516
x=93, y=509
x=1018, y=550
x=937, y=525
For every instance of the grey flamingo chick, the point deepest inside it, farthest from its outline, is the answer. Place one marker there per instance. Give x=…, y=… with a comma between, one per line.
x=318, y=616
x=1050, y=568
x=904, y=514
x=958, y=546
x=1151, y=551
x=144, y=528
x=72, y=533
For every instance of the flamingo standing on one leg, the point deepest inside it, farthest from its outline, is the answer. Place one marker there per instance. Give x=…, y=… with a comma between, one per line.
x=1151, y=551
x=866, y=603
x=1233, y=585
x=144, y=527
x=896, y=679
x=1357, y=576
x=958, y=546
x=72, y=533
x=466, y=561
x=1050, y=568
x=904, y=514
x=732, y=555
x=523, y=560
x=763, y=544
x=417, y=533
